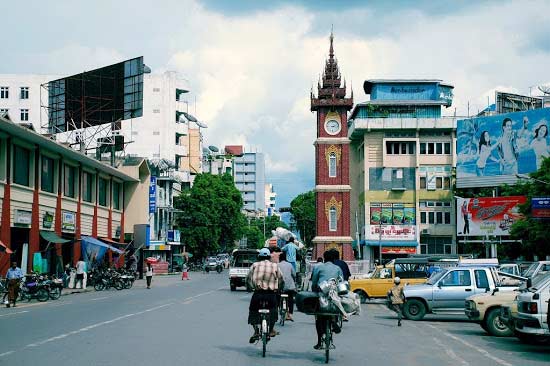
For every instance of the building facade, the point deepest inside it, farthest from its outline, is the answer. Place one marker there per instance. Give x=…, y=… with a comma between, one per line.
x=332, y=186
x=402, y=163
x=51, y=196
x=249, y=176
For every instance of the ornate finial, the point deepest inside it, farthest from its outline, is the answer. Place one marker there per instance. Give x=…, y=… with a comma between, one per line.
x=331, y=52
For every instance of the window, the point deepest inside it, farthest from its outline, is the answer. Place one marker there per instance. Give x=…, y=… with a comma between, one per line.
x=431, y=217
x=332, y=219
x=116, y=195
x=70, y=181
x=423, y=217
x=439, y=217
x=47, y=175
x=103, y=186
x=156, y=110
x=3, y=110
x=447, y=218
x=24, y=114
x=447, y=146
x=87, y=186
x=422, y=182
x=446, y=183
x=400, y=148
x=481, y=279
x=332, y=165
x=21, y=165
x=24, y=92
x=431, y=148
x=422, y=148
x=438, y=182
x=4, y=92
x=439, y=148
x=456, y=278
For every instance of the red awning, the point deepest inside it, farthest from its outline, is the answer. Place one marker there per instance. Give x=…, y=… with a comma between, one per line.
x=112, y=242
x=4, y=248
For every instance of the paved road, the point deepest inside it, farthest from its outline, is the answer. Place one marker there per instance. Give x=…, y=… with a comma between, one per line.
x=200, y=322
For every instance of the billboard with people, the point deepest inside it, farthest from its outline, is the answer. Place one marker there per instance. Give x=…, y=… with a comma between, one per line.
x=485, y=216
x=493, y=150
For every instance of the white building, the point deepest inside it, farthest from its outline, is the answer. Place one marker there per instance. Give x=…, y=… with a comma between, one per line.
x=270, y=198
x=249, y=175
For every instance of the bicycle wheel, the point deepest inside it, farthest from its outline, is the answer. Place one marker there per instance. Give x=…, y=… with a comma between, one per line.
x=264, y=336
x=328, y=339
x=55, y=293
x=282, y=313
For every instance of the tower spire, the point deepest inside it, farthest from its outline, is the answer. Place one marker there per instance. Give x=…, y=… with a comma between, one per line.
x=331, y=51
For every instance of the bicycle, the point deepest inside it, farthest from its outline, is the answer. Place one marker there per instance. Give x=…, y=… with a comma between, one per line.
x=283, y=309
x=327, y=343
x=264, y=328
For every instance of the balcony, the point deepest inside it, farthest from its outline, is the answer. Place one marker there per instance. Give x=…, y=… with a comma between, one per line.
x=181, y=129
x=180, y=150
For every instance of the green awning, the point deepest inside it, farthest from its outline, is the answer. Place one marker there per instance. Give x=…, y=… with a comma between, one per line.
x=52, y=237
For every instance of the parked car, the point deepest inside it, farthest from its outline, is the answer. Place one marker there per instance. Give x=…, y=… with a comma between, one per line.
x=532, y=323
x=446, y=291
x=239, y=267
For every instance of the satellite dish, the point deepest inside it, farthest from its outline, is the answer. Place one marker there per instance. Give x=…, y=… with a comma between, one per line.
x=182, y=119
x=146, y=69
x=545, y=89
x=201, y=124
x=190, y=117
x=213, y=148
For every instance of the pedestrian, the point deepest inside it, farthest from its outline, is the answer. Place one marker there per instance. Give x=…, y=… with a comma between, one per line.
x=397, y=299
x=149, y=274
x=13, y=277
x=290, y=249
x=275, y=253
x=266, y=280
x=345, y=271
x=289, y=288
x=80, y=270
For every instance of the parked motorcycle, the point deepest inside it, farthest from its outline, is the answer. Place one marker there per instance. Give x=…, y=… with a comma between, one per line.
x=34, y=287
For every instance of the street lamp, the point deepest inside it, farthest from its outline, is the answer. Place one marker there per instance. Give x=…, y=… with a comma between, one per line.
x=525, y=176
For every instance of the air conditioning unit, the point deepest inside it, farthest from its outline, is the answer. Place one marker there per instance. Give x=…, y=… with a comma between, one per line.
x=425, y=231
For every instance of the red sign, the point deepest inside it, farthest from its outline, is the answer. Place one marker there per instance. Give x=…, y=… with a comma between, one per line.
x=398, y=250
x=487, y=215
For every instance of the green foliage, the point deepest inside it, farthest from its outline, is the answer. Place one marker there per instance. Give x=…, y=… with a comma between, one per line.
x=303, y=210
x=271, y=223
x=211, y=219
x=253, y=236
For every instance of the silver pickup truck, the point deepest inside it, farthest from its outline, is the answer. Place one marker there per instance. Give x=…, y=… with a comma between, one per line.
x=446, y=291
x=241, y=261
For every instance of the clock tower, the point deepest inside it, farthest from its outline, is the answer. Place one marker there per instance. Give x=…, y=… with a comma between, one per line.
x=332, y=187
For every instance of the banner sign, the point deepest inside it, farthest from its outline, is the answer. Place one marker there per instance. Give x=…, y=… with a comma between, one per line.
x=501, y=146
x=540, y=207
x=398, y=250
x=23, y=217
x=68, y=221
x=391, y=232
x=487, y=215
x=153, y=195
x=392, y=214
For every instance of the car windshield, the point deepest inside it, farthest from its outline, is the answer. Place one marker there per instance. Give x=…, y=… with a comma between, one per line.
x=436, y=276
x=539, y=281
x=244, y=260
x=382, y=273
x=531, y=270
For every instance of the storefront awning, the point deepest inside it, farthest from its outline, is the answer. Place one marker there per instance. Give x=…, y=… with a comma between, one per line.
x=394, y=243
x=94, y=241
x=52, y=237
x=158, y=247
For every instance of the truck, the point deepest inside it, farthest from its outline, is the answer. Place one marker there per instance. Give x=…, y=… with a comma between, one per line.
x=532, y=323
x=410, y=270
x=445, y=292
x=241, y=261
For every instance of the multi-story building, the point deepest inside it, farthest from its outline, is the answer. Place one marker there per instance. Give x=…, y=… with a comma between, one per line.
x=53, y=199
x=401, y=169
x=249, y=176
x=270, y=198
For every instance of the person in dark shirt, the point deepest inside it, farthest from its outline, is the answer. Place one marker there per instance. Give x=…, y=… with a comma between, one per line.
x=343, y=265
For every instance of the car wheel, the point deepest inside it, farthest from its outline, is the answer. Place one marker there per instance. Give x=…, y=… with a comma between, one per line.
x=362, y=295
x=233, y=287
x=207, y=269
x=495, y=326
x=414, y=309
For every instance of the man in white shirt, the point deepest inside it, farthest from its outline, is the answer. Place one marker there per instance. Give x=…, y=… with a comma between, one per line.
x=80, y=270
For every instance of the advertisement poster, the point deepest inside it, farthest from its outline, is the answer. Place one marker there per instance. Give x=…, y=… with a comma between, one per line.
x=502, y=145
x=68, y=222
x=375, y=213
x=387, y=213
x=487, y=215
x=409, y=214
x=391, y=232
x=540, y=207
x=393, y=214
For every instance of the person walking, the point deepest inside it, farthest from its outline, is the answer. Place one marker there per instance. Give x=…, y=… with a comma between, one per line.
x=149, y=274
x=290, y=249
x=289, y=288
x=80, y=270
x=397, y=298
x=13, y=277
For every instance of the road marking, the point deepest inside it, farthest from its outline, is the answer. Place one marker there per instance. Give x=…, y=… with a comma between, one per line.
x=450, y=353
x=100, y=298
x=18, y=312
x=188, y=300
x=92, y=326
x=480, y=350
x=61, y=304
x=6, y=353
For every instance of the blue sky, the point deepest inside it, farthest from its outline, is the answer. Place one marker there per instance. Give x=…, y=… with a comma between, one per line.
x=251, y=64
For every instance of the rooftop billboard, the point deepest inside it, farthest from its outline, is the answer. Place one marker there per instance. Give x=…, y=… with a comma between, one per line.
x=508, y=103
x=492, y=150
x=487, y=215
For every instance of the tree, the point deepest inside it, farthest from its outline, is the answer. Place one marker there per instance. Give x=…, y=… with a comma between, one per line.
x=270, y=222
x=302, y=209
x=211, y=218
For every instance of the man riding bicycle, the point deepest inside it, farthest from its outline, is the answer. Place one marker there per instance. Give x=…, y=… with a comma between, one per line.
x=324, y=272
x=266, y=280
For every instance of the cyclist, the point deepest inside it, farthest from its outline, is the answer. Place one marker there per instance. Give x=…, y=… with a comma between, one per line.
x=266, y=280
x=324, y=272
x=289, y=277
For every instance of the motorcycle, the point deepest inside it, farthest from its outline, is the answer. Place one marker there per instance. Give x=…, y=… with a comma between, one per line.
x=34, y=287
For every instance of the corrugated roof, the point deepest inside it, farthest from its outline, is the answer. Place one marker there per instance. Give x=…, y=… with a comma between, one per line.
x=53, y=146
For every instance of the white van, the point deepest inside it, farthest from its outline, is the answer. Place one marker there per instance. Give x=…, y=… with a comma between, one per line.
x=532, y=318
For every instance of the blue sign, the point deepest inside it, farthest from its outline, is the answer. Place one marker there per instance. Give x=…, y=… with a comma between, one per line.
x=173, y=236
x=540, y=207
x=153, y=195
x=502, y=145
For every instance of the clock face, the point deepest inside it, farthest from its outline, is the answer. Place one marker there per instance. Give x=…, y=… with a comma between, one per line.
x=332, y=126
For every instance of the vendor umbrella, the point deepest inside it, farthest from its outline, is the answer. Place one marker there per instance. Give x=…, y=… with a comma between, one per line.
x=5, y=249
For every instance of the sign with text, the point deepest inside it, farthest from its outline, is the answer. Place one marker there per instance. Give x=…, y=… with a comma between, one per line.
x=540, y=207
x=153, y=195
x=68, y=221
x=391, y=232
x=398, y=250
x=487, y=215
x=23, y=217
x=392, y=213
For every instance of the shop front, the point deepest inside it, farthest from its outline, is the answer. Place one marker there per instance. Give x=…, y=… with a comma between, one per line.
x=158, y=253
